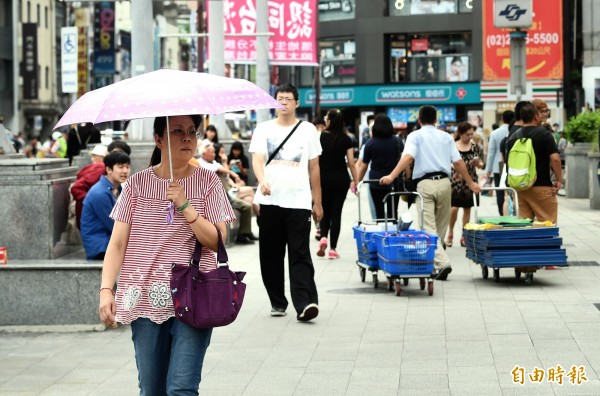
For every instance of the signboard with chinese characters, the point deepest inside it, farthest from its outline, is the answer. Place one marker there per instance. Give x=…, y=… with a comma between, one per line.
x=400, y=115
x=68, y=49
x=30, y=61
x=104, y=38
x=292, y=23
x=390, y=95
x=544, y=44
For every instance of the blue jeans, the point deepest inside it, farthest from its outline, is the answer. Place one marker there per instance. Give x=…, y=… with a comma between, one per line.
x=168, y=356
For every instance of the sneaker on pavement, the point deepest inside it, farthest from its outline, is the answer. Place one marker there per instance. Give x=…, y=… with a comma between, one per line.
x=333, y=255
x=309, y=313
x=443, y=273
x=322, y=247
x=278, y=312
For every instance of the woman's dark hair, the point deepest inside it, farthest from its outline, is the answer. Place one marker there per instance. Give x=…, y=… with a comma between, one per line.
x=211, y=128
x=461, y=129
x=236, y=146
x=119, y=145
x=382, y=127
x=336, y=122
x=217, y=147
x=160, y=124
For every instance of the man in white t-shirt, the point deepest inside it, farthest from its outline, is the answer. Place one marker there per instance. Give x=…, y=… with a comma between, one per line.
x=433, y=153
x=289, y=189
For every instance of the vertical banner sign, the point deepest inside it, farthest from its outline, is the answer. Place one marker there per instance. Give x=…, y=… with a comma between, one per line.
x=544, y=46
x=30, y=61
x=82, y=61
x=104, y=38
x=292, y=24
x=68, y=49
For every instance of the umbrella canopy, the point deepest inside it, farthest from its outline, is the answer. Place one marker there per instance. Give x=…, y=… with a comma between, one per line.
x=167, y=93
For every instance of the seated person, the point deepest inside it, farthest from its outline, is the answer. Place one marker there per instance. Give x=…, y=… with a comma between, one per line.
x=245, y=236
x=96, y=224
x=237, y=161
x=86, y=178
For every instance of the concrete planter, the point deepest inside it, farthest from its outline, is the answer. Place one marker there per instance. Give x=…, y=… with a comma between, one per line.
x=594, y=157
x=576, y=166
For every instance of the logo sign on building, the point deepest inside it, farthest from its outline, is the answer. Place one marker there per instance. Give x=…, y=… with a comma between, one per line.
x=30, y=61
x=68, y=49
x=544, y=50
x=104, y=38
x=292, y=23
x=400, y=115
x=513, y=14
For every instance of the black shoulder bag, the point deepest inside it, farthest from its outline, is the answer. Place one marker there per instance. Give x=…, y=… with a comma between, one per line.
x=274, y=153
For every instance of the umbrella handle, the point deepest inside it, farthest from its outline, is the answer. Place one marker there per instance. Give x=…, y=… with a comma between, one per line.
x=171, y=208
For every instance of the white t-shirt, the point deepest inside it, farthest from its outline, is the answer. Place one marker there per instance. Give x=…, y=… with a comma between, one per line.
x=433, y=151
x=287, y=173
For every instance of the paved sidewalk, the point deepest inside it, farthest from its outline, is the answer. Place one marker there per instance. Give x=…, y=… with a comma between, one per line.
x=465, y=339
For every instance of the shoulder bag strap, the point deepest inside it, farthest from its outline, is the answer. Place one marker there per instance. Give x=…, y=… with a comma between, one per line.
x=274, y=153
x=222, y=257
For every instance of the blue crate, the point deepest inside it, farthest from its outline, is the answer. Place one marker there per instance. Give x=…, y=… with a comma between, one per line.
x=406, y=253
x=366, y=247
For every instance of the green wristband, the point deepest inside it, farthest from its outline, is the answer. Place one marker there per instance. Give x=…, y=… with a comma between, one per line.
x=182, y=207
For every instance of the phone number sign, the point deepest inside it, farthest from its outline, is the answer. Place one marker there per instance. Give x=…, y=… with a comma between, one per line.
x=544, y=44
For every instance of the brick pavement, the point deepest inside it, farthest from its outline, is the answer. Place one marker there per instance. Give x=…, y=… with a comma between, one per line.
x=465, y=339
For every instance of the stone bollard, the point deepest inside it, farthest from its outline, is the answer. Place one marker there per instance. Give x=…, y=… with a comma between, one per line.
x=576, y=166
x=594, y=158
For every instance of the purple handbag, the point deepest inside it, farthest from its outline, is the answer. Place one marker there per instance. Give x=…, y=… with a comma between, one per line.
x=207, y=299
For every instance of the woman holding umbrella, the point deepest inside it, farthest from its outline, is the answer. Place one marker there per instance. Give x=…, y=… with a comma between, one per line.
x=169, y=354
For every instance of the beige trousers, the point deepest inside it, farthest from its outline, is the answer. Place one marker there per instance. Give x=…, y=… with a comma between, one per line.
x=436, y=213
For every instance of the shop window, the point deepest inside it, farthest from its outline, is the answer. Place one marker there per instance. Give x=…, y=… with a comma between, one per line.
x=428, y=7
x=337, y=57
x=334, y=10
x=430, y=58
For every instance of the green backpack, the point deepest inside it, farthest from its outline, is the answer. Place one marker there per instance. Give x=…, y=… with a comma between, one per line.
x=521, y=162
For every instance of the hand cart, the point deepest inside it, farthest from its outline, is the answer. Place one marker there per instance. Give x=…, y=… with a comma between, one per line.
x=406, y=254
x=513, y=243
x=365, y=244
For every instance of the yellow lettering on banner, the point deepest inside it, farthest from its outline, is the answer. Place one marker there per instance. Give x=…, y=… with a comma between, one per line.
x=556, y=374
x=537, y=375
x=577, y=375
x=518, y=374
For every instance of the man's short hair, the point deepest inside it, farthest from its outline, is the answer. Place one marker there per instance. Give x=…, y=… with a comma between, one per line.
x=119, y=145
x=287, y=88
x=116, y=158
x=518, y=108
x=528, y=113
x=508, y=116
x=427, y=114
x=540, y=104
x=370, y=118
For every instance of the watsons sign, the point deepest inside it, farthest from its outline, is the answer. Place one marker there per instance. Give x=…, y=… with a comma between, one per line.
x=382, y=95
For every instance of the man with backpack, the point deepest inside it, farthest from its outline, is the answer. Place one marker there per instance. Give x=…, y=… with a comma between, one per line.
x=532, y=154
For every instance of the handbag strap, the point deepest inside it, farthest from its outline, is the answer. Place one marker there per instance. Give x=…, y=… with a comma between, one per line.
x=274, y=153
x=222, y=257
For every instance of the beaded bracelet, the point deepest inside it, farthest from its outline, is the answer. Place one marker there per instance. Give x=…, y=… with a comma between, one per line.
x=182, y=207
x=107, y=288
x=193, y=221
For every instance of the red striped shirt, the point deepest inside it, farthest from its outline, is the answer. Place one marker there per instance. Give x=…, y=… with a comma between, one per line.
x=144, y=282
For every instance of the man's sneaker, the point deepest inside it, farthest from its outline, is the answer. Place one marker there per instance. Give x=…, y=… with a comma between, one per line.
x=278, y=312
x=443, y=273
x=322, y=247
x=309, y=313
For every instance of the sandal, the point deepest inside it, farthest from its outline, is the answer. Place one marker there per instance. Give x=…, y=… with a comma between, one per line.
x=462, y=242
x=449, y=240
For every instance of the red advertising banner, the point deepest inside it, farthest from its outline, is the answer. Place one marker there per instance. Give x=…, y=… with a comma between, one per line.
x=544, y=44
x=293, y=24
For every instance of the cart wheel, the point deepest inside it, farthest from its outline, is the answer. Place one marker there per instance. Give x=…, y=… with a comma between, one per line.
x=496, y=274
x=390, y=284
x=430, y=288
x=517, y=273
x=405, y=281
x=375, y=280
x=529, y=279
x=363, y=274
x=422, y=283
x=398, y=287
x=484, y=272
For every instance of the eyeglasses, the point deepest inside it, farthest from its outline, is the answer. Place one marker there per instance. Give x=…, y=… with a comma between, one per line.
x=178, y=132
x=283, y=99
x=547, y=111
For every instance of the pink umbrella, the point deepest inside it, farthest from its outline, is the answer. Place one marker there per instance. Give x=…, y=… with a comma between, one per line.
x=167, y=93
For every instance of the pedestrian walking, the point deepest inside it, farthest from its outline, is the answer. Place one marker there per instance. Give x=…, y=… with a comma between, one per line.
x=433, y=152
x=288, y=178
x=462, y=197
x=492, y=165
x=336, y=158
x=169, y=354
